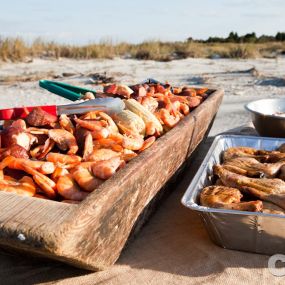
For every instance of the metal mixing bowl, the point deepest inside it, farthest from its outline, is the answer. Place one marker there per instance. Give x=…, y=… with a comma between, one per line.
x=268, y=116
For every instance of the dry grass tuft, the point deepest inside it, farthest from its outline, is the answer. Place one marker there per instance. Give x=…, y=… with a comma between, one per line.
x=15, y=49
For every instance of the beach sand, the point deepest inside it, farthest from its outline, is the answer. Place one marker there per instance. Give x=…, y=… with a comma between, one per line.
x=242, y=80
x=173, y=248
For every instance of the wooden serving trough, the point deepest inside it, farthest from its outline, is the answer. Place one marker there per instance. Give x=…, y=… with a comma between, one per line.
x=93, y=233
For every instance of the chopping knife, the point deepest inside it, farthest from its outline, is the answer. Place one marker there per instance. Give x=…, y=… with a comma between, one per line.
x=108, y=105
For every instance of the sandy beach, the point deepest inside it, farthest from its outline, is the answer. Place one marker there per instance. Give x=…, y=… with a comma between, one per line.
x=178, y=240
x=242, y=80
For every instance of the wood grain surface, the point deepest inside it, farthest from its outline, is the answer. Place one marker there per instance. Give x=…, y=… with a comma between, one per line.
x=93, y=233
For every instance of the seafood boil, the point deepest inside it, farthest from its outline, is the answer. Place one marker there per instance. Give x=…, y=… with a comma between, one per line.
x=66, y=157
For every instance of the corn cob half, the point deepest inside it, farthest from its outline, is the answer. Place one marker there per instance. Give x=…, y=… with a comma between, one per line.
x=135, y=107
x=129, y=120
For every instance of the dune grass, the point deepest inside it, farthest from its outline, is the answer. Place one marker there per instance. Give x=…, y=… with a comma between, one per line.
x=16, y=50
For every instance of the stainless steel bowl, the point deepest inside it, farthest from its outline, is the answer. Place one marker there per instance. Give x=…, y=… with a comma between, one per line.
x=268, y=116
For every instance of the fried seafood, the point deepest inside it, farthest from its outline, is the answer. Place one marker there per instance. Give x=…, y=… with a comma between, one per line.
x=256, y=173
x=227, y=198
x=251, y=167
x=270, y=208
x=233, y=152
x=272, y=190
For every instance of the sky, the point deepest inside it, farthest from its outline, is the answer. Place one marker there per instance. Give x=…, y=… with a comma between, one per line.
x=87, y=21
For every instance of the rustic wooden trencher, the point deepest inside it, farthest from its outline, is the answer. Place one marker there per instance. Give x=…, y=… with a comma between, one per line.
x=93, y=233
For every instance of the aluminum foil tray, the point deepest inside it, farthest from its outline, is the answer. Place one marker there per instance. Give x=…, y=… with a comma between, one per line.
x=231, y=229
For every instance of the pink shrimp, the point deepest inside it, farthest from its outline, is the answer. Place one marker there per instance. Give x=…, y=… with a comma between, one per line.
x=58, y=172
x=100, y=134
x=106, y=168
x=45, y=183
x=102, y=154
x=63, y=158
x=88, y=145
x=85, y=179
x=68, y=188
x=168, y=119
x=66, y=123
x=23, y=187
x=91, y=125
x=147, y=143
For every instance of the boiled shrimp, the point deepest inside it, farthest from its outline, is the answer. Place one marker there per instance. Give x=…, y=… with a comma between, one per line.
x=88, y=145
x=106, y=168
x=85, y=179
x=168, y=119
x=66, y=123
x=150, y=129
x=46, y=148
x=132, y=141
x=23, y=187
x=107, y=143
x=102, y=154
x=147, y=143
x=128, y=155
x=45, y=183
x=93, y=115
x=58, y=172
x=112, y=127
x=149, y=103
x=63, y=158
x=43, y=167
x=184, y=108
x=68, y=188
x=91, y=125
x=100, y=134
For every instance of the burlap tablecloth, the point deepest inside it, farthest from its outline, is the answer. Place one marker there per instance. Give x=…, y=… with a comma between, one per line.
x=172, y=248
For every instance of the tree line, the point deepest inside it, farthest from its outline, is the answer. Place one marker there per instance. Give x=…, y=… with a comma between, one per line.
x=233, y=37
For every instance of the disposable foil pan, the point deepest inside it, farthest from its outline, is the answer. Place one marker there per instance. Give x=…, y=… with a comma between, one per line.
x=239, y=230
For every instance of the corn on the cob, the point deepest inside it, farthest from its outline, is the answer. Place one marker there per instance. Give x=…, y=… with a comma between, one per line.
x=141, y=111
x=131, y=121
